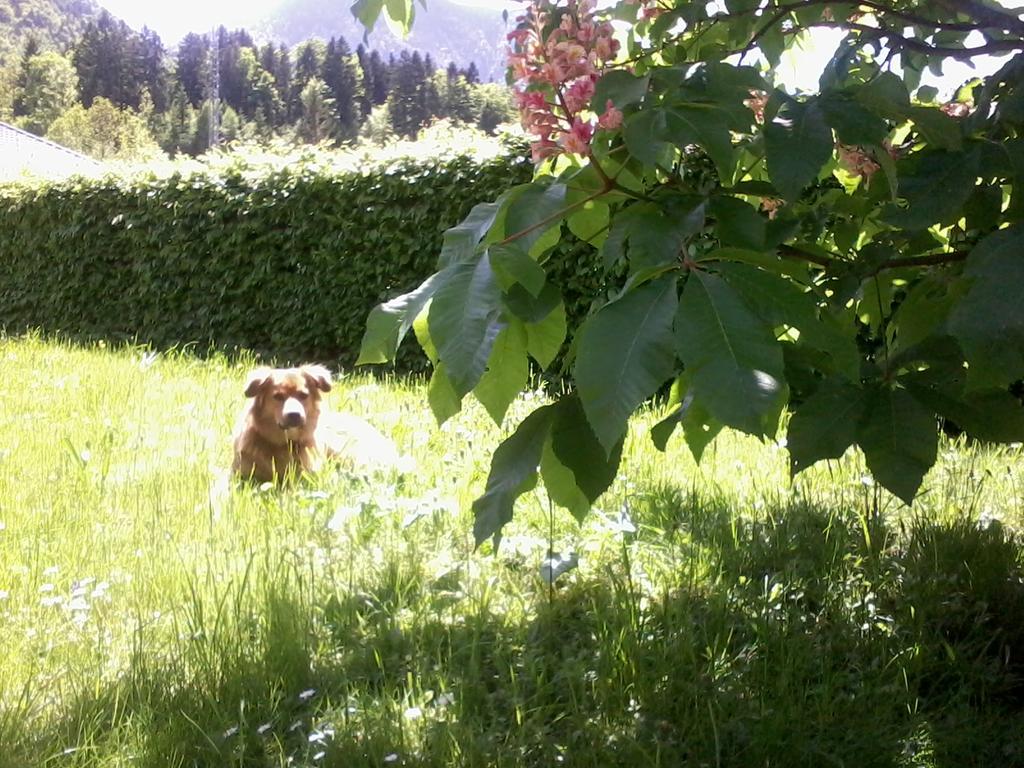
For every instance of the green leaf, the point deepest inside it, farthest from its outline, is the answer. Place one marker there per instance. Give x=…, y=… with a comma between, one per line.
x=706, y=126
x=824, y=425
x=508, y=371
x=886, y=95
x=738, y=223
x=797, y=143
x=645, y=134
x=464, y=322
x=780, y=301
x=513, y=472
x=367, y=12
x=514, y=266
x=939, y=129
x=401, y=12
x=924, y=311
x=935, y=184
x=561, y=484
x=621, y=87
x=590, y=222
x=443, y=399
x=578, y=449
x=544, y=339
x=624, y=354
x=657, y=233
x=988, y=321
x=529, y=308
x=732, y=355
x=533, y=211
x=852, y=122
x=899, y=437
x=389, y=322
x=460, y=242
x=699, y=426
x=994, y=415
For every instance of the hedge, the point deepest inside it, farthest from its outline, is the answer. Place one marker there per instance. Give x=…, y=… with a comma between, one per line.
x=286, y=262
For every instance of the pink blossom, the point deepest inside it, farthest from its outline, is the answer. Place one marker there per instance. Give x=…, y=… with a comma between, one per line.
x=611, y=118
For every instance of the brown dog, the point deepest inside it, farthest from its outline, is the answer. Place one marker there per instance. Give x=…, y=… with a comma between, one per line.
x=285, y=430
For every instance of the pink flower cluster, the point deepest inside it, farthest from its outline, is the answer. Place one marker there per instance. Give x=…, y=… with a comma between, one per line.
x=557, y=54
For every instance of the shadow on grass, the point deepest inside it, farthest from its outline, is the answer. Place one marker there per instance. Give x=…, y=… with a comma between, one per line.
x=813, y=638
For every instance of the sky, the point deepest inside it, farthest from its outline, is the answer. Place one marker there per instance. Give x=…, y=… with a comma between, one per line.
x=173, y=20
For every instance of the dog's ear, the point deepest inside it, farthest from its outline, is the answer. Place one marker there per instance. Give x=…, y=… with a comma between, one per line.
x=256, y=380
x=319, y=375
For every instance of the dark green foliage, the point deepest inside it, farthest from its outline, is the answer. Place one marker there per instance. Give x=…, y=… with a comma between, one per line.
x=289, y=263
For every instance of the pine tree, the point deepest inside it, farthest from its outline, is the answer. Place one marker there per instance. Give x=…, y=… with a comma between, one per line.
x=21, y=83
x=317, y=122
x=309, y=64
x=193, y=67
x=340, y=73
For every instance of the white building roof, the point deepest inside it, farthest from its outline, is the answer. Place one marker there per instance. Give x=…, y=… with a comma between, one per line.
x=25, y=154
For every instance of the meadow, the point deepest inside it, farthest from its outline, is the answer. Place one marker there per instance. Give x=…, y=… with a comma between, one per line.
x=154, y=614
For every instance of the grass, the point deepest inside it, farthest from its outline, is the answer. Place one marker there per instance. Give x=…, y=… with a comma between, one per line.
x=721, y=615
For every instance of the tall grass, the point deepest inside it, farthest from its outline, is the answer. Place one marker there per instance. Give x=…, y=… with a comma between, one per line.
x=153, y=614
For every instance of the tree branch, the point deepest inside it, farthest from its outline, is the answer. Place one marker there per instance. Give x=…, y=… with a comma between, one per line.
x=994, y=46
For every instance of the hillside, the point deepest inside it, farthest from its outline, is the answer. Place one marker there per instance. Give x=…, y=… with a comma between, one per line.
x=54, y=23
x=448, y=31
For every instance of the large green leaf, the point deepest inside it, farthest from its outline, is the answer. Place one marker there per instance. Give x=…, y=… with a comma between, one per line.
x=460, y=242
x=706, y=126
x=899, y=437
x=989, y=322
x=442, y=397
x=994, y=415
x=699, y=426
x=560, y=484
x=367, y=12
x=797, y=143
x=825, y=425
x=646, y=137
x=885, y=95
x=939, y=129
x=578, y=449
x=544, y=338
x=738, y=223
x=657, y=233
x=464, y=320
x=508, y=371
x=732, y=355
x=513, y=472
x=624, y=353
x=533, y=212
x=621, y=87
x=783, y=302
x=389, y=322
x=935, y=184
x=401, y=13
x=513, y=265
x=852, y=122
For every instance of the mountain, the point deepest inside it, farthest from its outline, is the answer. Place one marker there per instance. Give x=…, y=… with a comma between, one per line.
x=53, y=23
x=447, y=30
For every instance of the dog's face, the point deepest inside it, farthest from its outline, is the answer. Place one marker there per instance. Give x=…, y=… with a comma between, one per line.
x=288, y=398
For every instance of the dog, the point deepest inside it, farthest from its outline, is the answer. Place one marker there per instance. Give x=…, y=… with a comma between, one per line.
x=285, y=428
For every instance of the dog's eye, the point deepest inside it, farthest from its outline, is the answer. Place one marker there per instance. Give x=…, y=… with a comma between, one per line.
x=280, y=397
x=301, y=395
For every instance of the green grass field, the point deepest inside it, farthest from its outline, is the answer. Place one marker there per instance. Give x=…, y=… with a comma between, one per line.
x=153, y=615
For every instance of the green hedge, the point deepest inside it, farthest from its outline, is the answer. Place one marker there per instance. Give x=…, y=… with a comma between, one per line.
x=287, y=262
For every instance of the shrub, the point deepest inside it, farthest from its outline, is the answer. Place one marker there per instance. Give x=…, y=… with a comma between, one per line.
x=283, y=257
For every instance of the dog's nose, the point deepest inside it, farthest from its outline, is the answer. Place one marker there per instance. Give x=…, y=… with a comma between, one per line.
x=292, y=419
x=292, y=414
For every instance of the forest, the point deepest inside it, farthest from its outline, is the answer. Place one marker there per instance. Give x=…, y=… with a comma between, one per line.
x=116, y=93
